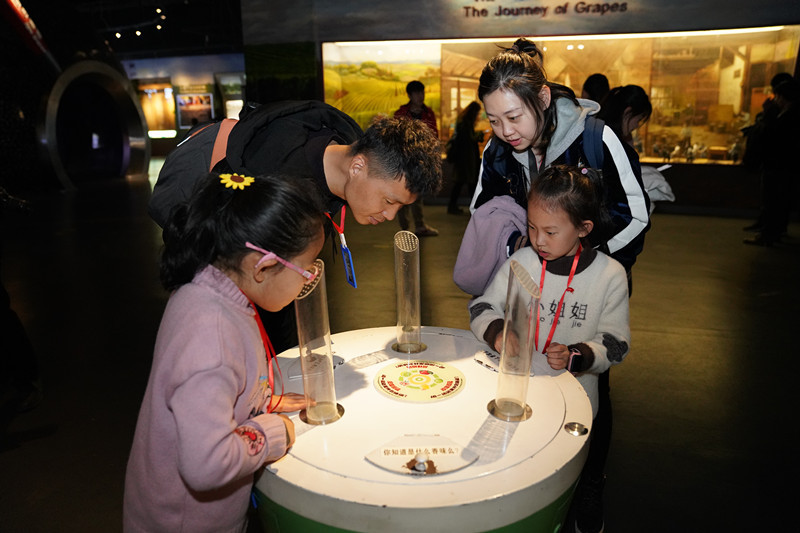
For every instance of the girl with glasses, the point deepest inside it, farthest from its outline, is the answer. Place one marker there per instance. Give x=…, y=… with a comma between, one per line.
x=210, y=419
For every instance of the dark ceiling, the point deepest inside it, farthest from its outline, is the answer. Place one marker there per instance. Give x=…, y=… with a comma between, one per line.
x=188, y=27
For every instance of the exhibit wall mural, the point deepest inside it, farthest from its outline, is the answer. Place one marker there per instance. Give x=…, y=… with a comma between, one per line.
x=365, y=81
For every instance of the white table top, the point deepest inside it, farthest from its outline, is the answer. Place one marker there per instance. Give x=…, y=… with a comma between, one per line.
x=327, y=463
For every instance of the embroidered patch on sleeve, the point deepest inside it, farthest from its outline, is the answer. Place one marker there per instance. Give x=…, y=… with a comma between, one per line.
x=252, y=438
x=615, y=349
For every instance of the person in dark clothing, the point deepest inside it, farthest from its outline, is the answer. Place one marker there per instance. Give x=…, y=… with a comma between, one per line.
x=464, y=154
x=538, y=124
x=781, y=143
x=595, y=88
x=625, y=109
x=416, y=109
x=754, y=137
x=373, y=173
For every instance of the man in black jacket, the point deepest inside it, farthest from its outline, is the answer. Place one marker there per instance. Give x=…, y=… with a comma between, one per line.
x=374, y=172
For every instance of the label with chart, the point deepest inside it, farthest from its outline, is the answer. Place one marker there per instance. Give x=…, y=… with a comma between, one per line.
x=419, y=381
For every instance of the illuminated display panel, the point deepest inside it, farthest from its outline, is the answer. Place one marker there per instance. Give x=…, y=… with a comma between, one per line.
x=158, y=105
x=704, y=86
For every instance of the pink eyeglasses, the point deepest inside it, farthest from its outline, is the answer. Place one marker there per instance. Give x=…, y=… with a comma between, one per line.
x=310, y=276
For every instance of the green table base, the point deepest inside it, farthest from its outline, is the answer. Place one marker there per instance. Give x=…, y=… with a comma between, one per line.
x=277, y=519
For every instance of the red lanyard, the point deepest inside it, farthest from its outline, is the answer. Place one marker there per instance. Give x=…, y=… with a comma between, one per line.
x=560, y=303
x=271, y=359
x=340, y=227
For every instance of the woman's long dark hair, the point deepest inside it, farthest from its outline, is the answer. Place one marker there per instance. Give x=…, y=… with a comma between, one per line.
x=520, y=69
x=621, y=98
x=278, y=213
x=469, y=115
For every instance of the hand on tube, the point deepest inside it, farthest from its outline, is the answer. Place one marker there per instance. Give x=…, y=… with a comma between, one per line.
x=291, y=401
x=512, y=343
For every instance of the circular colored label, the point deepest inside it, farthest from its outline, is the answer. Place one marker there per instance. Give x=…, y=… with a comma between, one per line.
x=419, y=381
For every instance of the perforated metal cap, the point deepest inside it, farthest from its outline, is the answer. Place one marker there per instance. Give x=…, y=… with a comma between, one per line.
x=406, y=241
x=319, y=268
x=525, y=279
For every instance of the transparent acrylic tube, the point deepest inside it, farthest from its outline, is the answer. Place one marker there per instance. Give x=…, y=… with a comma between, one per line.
x=518, y=345
x=407, y=282
x=316, y=359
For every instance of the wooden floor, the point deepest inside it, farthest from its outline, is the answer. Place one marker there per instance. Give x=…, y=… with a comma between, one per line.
x=705, y=429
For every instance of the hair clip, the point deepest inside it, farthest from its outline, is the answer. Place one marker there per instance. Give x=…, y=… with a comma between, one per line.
x=235, y=181
x=584, y=171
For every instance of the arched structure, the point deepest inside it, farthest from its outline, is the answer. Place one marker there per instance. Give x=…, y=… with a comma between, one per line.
x=93, y=126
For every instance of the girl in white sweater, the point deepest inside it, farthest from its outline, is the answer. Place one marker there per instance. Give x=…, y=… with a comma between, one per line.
x=583, y=324
x=586, y=289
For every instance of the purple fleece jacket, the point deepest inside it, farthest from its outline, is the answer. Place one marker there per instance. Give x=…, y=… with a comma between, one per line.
x=483, y=247
x=201, y=433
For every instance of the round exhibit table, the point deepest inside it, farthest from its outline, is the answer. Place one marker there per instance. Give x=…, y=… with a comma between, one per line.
x=367, y=470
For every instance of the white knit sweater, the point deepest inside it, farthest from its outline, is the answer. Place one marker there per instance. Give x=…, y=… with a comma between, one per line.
x=595, y=315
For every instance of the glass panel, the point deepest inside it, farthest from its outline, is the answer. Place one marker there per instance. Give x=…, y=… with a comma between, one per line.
x=704, y=86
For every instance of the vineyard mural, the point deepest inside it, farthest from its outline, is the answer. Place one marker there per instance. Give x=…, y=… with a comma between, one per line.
x=369, y=80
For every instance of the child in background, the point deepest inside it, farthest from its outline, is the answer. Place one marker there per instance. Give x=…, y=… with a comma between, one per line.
x=209, y=418
x=585, y=289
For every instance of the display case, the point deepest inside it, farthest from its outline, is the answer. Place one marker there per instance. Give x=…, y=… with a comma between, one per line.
x=158, y=105
x=705, y=86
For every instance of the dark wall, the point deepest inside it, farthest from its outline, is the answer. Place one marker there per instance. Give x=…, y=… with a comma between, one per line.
x=22, y=98
x=282, y=72
x=66, y=107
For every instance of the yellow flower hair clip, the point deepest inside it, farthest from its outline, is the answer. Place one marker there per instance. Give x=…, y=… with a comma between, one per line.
x=236, y=181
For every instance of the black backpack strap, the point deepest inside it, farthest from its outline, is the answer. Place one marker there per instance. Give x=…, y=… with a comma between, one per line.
x=593, y=141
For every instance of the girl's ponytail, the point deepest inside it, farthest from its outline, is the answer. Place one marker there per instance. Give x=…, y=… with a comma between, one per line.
x=189, y=237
